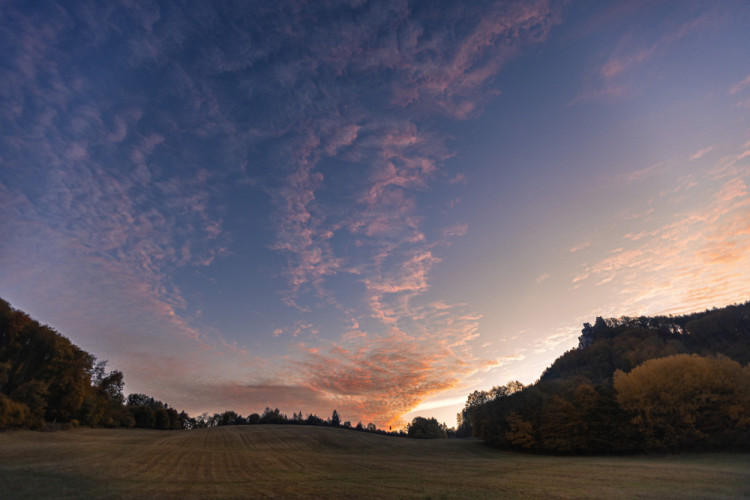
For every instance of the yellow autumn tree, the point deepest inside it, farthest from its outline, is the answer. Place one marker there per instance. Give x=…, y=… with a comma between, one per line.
x=688, y=401
x=521, y=433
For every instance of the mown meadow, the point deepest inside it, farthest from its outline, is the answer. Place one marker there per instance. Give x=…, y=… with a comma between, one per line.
x=321, y=462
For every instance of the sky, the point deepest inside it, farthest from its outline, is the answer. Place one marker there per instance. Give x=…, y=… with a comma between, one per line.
x=375, y=207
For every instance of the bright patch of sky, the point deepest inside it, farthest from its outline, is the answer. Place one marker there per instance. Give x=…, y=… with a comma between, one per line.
x=377, y=207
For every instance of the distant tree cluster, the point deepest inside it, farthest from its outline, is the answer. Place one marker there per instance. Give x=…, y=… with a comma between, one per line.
x=275, y=417
x=150, y=413
x=633, y=384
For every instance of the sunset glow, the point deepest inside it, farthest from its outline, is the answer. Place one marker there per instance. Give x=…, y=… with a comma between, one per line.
x=374, y=207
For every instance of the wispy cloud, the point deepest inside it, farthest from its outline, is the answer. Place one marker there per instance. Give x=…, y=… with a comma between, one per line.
x=560, y=336
x=691, y=261
x=700, y=153
x=124, y=165
x=641, y=174
x=453, y=76
x=98, y=223
x=455, y=231
x=388, y=376
x=739, y=86
x=580, y=246
x=434, y=69
x=614, y=77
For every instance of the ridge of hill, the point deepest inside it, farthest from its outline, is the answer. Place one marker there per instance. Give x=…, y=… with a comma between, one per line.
x=632, y=384
x=624, y=343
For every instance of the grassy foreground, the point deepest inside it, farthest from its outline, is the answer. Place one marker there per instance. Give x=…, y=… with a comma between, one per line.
x=289, y=461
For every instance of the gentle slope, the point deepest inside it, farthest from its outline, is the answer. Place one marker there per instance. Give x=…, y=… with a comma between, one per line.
x=292, y=461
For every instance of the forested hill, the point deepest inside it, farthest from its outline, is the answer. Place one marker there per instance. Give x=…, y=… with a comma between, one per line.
x=44, y=377
x=624, y=343
x=633, y=384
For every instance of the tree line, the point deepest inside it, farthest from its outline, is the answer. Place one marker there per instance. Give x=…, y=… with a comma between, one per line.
x=632, y=385
x=419, y=428
x=46, y=380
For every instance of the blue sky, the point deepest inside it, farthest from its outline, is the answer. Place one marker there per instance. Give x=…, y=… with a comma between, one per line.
x=376, y=207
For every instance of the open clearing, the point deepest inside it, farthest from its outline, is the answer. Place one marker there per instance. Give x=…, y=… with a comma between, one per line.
x=314, y=462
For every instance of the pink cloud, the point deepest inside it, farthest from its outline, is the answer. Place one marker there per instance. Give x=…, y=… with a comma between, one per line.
x=457, y=230
x=739, y=86
x=387, y=378
x=701, y=152
x=412, y=277
x=146, y=147
x=613, y=79
x=455, y=83
x=122, y=229
x=445, y=73
x=458, y=179
x=580, y=246
x=695, y=260
x=614, y=67
x=641, y=174
x=344, y=136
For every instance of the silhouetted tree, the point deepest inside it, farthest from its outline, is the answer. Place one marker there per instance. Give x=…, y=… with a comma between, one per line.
x=313, y=419
x=228, y=418
x=426, y=428
x=272, y=417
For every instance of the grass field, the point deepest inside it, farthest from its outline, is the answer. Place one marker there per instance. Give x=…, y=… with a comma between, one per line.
x=314, y=462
